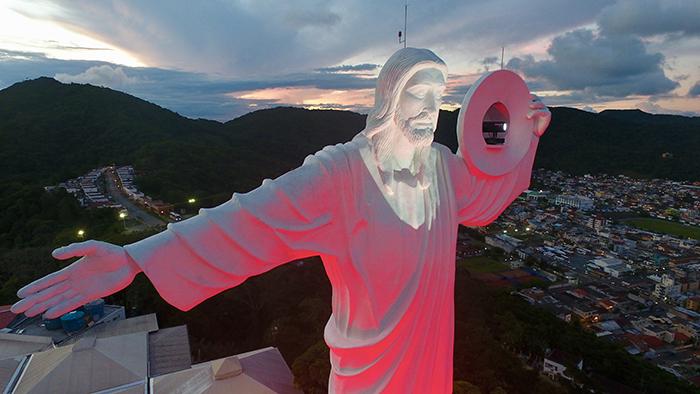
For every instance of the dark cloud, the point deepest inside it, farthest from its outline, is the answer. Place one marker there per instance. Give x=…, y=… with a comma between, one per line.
x=695, y=90
x=300, y=18
x=349, y=68
x=609, y=66
x=572, y=99
x=489, y=60
x=265, y=37
x=455, y=95
x=651, y=17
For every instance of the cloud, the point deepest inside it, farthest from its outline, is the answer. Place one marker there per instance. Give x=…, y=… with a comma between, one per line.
x=104, y=75
x=489, y=62
x=608, y=66
x=349, y=68
x=266, y=37
x=198, y=95
x=315, y=47
x=300, y=18
x=20, y=65
x=651, y=17
x=654, y=108
x=695, y=90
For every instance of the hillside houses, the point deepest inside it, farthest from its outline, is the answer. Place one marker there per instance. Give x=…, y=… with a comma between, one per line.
x=635, y=287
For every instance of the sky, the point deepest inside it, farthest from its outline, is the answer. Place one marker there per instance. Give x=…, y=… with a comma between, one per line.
x=220, y=59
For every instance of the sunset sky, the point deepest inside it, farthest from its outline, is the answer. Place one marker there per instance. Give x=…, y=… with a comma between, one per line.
x=221, y=59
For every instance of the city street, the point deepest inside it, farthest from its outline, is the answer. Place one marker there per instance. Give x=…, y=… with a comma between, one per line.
x=135, y=211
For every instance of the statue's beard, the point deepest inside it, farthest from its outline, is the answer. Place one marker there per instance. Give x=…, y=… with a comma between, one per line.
x=416, y=131
x=384, y=142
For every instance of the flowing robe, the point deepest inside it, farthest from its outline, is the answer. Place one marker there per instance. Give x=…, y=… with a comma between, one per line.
x=392, y=322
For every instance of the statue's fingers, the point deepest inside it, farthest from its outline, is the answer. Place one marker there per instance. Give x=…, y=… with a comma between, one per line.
x=49, y=292
x=75, y=250
x=64, y=307
x=43, y=283
x=44, y=305
x=537, y=105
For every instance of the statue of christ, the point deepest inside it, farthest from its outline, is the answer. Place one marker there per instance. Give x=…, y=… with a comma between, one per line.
x=382, y=211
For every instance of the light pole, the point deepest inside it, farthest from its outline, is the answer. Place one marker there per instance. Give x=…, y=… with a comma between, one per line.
x=191, y=201
x=122, y=216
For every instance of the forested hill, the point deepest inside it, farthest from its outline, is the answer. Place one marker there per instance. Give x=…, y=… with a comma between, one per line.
x=630, y=142
x=51, y=131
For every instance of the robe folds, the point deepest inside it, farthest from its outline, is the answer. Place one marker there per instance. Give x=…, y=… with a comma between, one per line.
x=392, y=323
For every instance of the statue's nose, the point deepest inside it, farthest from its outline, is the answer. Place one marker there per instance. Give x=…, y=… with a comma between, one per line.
x=432, y=103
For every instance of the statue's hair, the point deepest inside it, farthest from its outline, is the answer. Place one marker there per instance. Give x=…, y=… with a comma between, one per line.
x=394, y=75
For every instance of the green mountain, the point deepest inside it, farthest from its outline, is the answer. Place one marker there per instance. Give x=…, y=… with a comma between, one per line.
x=629, y=142
x=51, y=131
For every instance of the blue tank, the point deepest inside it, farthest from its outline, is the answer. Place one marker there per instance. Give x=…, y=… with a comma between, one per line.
x=73, y=321
x=95, y=309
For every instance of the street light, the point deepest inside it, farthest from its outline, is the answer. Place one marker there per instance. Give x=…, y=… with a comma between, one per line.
x=81, y=233
x=192, y=201
x=122, y=216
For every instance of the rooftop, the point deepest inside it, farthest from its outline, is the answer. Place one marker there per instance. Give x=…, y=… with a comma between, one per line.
x=260, y=371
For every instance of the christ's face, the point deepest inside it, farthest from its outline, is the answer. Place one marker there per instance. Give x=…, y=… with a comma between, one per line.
x=419, y=106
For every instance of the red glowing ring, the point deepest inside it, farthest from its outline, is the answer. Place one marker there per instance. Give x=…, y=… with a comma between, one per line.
x=504, y=87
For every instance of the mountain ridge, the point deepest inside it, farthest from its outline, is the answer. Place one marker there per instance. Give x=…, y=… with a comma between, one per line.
x=50, y=131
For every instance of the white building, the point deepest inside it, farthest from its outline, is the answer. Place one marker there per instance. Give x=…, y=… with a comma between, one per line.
x=576, y=201
x=554, y=366
x=502, y=241
x=612, y=266
x=667, y=288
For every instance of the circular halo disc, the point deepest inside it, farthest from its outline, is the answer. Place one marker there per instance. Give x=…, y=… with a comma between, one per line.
x=507, y=88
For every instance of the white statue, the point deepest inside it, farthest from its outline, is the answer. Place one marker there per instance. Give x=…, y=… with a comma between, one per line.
x=382, y=211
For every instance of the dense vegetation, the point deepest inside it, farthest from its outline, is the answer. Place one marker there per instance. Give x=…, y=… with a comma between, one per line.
x=629, y=142
x=665, y=227
x=50, y=132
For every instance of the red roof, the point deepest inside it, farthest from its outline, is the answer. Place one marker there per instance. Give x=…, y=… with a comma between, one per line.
x=6, y=317
x=681, y=338
x=582, y=293
x=642, y=341
x=653, y=342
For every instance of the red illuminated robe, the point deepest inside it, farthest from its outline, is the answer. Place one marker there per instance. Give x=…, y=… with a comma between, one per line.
x=392, y=323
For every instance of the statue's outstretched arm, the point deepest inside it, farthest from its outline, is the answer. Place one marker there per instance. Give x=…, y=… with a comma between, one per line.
x=482, y=198
x=282, y=220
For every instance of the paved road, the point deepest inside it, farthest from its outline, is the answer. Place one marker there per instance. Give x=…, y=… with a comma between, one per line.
x=135, y=211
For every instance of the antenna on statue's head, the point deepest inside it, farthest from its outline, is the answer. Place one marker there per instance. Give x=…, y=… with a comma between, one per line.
x=503, y=49
x=402, y=37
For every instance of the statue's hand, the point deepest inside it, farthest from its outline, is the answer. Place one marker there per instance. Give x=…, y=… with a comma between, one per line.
x=540, y=114
x=102, y=270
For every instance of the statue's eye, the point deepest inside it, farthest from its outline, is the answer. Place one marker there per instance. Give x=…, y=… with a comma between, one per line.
x=418, y=91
